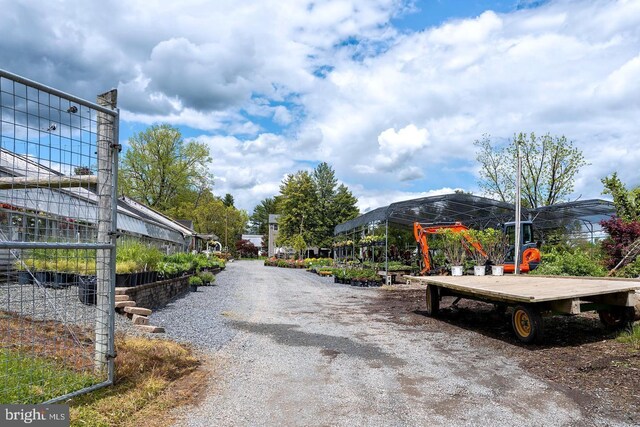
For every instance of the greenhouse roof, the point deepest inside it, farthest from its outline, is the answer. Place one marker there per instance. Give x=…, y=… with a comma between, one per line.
x=480, y=212
x=81, y=203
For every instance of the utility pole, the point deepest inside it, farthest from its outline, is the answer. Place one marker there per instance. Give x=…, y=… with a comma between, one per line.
x=226, y=218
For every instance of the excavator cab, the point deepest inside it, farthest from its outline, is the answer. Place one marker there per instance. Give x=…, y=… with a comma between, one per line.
x=529, y=253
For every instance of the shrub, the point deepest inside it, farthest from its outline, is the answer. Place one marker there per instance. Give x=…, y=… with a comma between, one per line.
x=630, y=270
x=569, y=263
x=621, y=235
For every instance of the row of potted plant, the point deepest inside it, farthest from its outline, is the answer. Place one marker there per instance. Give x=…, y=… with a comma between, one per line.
x=357, y=277
x=298, y=263
x=343, y=243
x=136, y=264
x=485, y=247
x=202, y=278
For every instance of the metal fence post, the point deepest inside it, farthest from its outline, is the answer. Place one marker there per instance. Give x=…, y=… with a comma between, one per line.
x=106, y=129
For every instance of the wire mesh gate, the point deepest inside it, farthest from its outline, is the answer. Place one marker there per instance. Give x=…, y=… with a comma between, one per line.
x=58, y=181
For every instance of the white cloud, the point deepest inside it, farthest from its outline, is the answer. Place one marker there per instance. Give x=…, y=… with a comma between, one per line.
x=395, y=112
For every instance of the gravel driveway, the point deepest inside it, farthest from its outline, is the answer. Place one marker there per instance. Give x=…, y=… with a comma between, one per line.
x=290, y=348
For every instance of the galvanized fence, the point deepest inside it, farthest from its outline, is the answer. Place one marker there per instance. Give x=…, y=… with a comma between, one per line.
x=58, y=181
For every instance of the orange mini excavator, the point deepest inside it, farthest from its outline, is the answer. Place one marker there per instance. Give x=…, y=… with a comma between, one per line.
x=529, y=252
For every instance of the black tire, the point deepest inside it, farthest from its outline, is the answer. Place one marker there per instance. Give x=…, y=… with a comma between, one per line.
x=527, y=324
x=617, y=318
x=433, y=300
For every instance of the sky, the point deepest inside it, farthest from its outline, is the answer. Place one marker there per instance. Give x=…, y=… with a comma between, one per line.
x=391, y=93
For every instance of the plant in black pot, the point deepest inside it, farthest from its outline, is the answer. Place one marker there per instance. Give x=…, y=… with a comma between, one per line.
x=194, y=282
x=124, y=271
x=207, y=278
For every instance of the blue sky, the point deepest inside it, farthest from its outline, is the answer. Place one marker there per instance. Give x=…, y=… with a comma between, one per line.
x=391, y=93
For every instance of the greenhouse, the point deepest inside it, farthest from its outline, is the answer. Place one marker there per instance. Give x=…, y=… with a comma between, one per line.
x=69, y=214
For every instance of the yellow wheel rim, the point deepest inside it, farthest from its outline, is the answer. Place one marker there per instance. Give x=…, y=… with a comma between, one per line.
x=522, y=323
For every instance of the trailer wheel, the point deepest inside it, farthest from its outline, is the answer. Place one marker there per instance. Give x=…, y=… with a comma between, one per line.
x=617, y=317
x=433, y=300
x=527, y=323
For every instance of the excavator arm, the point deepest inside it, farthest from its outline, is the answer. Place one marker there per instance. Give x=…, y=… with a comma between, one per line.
x=420, y=234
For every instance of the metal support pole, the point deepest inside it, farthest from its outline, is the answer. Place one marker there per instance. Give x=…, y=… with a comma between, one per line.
x=516, y=257
x=106, y=133
x=386, y=251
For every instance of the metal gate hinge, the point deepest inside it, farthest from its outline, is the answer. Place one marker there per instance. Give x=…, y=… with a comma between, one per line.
x=115, y=233
x=112, y=355
x=116, y=146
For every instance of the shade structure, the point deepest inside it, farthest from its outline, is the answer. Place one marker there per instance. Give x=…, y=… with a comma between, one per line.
x=482, y=212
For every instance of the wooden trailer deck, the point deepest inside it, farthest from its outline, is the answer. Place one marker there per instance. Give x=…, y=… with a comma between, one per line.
x=534, y=296
x=533, y=289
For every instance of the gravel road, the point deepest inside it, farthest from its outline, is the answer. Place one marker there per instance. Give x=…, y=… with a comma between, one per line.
x=290, y=348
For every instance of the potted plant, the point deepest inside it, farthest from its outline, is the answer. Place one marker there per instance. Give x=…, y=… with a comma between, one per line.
x=479, y=253
x=454, y=250
x=495, y=246
x=194, y=282
x=24, y=275
x=124, y=270
x=207, y=278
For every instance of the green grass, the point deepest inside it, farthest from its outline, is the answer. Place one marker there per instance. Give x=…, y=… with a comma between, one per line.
x=27, y=379
x=631, y=337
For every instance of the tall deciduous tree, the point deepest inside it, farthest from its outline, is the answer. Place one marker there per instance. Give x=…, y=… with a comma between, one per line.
x=298, y=208
x=159, y=169
x=212, y=216
x=549, y=168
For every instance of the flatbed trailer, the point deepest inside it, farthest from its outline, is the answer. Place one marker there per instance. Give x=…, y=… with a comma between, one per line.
x=533, y=297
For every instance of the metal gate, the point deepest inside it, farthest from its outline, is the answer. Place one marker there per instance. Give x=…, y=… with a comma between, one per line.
x=58, y=181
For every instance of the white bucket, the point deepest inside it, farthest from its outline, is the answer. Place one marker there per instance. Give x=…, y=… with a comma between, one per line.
x=479, y=270
x=456, y=270
x=497, y=270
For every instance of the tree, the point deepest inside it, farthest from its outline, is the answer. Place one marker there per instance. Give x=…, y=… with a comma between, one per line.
x=246, y=249
x=160, y=169
x=623, y=229
x=228, y=200
x=325, y=185
x=549, y=167
x=210, y=215
x=312, y=204
x=259, y=219
x=298, y=244
x=298, y=207
x=626, y=202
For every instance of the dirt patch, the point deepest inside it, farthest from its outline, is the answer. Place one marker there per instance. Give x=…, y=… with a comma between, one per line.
x=578, y=355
